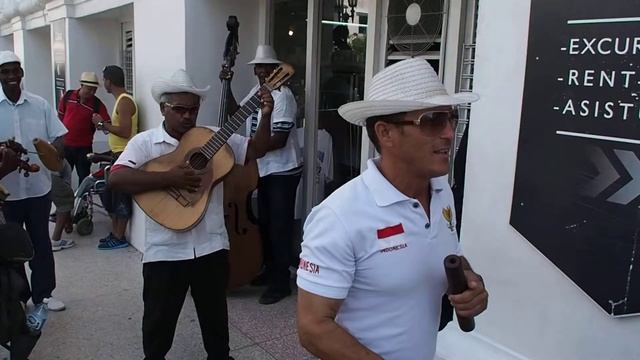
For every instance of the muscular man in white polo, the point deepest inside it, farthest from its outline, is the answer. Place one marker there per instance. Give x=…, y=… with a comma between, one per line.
x=371, y=276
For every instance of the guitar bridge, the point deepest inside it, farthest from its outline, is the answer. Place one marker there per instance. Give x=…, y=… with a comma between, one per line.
x=177, y=195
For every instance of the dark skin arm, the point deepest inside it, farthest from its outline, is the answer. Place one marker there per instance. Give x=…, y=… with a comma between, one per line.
x=321, y=335
x=134, y=181
x=126, y=109
x=474, y=300
x=8, y=161
x=259, y=143
x=277, y=140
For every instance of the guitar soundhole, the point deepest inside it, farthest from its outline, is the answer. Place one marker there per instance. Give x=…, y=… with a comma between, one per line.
x=198, y=161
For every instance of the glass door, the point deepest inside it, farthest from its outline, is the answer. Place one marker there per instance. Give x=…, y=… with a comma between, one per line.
x=341, y=64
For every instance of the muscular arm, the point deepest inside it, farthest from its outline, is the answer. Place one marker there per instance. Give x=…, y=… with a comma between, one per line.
x=126, y=109
x=321, y=335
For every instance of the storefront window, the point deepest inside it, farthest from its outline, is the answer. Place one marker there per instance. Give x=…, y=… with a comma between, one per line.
x=343, y=39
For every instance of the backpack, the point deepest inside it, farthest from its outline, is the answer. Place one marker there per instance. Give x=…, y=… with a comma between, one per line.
x=96, y=104
x=15, y=249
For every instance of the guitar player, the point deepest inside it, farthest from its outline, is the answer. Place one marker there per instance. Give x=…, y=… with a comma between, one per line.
x=280, y=171
x=174, y=261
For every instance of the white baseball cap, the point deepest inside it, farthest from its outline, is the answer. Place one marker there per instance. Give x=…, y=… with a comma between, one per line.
x=8, y=57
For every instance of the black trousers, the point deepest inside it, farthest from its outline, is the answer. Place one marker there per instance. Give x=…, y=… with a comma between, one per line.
x=77, y=157
x=165, y=287
x=276, y=209
x=33, y=214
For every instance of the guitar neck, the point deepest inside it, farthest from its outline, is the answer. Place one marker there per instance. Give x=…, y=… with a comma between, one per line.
x=217, y=141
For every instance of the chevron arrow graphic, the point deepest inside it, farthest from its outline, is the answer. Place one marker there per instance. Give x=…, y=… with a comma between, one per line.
x=606, y=173
x=632, y=189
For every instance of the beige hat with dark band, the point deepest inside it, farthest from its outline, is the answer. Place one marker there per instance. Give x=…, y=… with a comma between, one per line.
x=89, y=78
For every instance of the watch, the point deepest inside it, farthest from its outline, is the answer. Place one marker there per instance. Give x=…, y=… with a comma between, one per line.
x=100, y=125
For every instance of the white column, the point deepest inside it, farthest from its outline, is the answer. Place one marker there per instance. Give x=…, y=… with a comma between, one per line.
x=33, y=48
x=6, y=42
x=91, y=45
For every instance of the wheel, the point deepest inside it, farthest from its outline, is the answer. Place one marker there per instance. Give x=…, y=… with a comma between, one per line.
x=84, y=226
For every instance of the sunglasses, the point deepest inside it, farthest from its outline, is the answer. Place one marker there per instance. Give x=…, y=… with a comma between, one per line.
x=432, y=122
x=181, y=109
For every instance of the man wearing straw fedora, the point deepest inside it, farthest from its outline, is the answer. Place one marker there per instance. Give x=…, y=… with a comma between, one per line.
x=371, y=276
x=76, y=109
x=280, y=170
x=174, y=261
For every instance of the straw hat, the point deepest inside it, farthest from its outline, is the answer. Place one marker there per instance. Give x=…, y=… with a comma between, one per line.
x=8, y=57
x=179, y=82
x=408, y=85
x=89, y=79
x=265, y=55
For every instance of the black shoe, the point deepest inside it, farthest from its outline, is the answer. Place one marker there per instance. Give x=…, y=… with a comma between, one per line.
x=260, y=279
x=272, y=296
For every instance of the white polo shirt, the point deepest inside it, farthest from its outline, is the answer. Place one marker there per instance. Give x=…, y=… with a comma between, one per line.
x=162, y=244
x=283, y=119
x=29, y=118
x=374, y=247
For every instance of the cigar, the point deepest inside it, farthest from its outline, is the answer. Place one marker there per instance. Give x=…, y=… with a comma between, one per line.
x=457, y=284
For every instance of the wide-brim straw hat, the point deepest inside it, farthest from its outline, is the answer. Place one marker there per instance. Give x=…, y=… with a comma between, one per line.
x=407, y=85
x=265, y=55
x=179, y=82
x=89, y=79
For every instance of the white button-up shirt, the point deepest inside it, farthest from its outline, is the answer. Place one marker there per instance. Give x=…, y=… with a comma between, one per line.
x=29, y=118
x=162, y=244
x=283, y=119
x=374, y=247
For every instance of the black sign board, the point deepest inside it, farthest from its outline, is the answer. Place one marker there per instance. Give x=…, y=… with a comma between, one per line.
x=577, y=186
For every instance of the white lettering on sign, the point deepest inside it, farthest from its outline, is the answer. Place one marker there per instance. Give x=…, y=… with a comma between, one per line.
x=601, y=78
x=605, y=46
x=601, y=109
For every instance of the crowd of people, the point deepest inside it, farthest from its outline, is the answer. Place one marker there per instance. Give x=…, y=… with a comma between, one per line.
x=370, y=277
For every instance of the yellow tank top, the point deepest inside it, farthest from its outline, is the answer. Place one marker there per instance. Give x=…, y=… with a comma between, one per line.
x=117, y=143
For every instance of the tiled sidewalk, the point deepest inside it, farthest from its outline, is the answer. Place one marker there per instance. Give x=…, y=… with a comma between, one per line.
x=103, y=320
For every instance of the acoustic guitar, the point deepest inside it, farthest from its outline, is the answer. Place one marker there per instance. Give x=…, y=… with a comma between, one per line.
x=200, y=149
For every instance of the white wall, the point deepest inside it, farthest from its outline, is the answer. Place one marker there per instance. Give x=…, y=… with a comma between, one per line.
x=37, y=62
x=6, y=42
x=92, y=44
x=159, y=50
x=207, y=32
x=534, y=309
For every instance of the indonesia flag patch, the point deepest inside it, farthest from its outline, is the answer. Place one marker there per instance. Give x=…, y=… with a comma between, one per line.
x=392, y=238
x=390, y=231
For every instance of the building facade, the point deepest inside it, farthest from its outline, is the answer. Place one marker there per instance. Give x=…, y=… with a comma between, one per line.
x=336, y=47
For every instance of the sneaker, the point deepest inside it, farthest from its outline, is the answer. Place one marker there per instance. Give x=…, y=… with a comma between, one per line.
x=62, y=244
x=37, y=317
x=113, y=243
x=107, y=238
x=54, y=304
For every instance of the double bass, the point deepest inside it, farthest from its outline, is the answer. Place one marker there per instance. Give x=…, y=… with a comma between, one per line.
x=245, y=254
